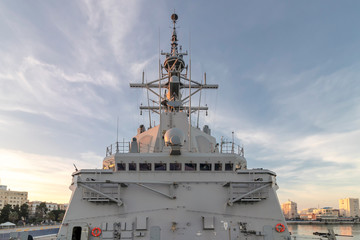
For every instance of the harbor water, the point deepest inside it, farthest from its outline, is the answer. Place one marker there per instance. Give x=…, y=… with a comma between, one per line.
x=306, y=231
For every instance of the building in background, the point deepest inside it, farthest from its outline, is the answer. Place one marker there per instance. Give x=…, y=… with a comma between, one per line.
x=49, y=205
x=289, y=209
x=12, y=197
x=326, y=214
x=63, y=206
x=308, y=214
x=349, y=207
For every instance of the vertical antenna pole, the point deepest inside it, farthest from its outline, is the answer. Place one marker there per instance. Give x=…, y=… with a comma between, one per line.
x=221, y=144
x=197, y=125
x=117, y=135
x=159, y=95
x=232, y=145
x=190, y=92
x=147, y=93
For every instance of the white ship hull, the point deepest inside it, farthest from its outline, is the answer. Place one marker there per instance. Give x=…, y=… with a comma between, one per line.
x=175, y=205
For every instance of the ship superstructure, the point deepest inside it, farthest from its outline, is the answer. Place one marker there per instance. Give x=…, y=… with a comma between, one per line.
x=173, y=181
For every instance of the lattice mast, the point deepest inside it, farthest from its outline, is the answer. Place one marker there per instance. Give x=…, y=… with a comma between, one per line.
x=174, y=76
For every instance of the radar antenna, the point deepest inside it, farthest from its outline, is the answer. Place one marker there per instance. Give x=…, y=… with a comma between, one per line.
x=174, y=76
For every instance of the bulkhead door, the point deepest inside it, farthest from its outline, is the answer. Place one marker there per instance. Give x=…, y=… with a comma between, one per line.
x=78, y=231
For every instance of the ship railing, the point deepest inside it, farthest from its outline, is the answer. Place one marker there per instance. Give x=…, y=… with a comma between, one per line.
x=118, y=147
x=226, y=147
x=229, y=147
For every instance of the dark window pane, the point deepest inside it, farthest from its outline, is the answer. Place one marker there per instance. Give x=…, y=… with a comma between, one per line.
x=160, y=166
x=175, y=166
x=190, y=166
x=132, y=166
x=218, y=166
x=229, y=166
x=145, y=166
x=121, y=167
x=76, y=234
x=205, y=166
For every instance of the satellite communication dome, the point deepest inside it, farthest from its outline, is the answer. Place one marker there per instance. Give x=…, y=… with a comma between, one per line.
x=174, y=137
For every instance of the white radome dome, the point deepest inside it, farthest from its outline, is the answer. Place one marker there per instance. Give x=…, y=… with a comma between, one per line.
x=174, y=137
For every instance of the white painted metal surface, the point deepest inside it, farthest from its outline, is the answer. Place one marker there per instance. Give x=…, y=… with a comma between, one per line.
x=174, y=182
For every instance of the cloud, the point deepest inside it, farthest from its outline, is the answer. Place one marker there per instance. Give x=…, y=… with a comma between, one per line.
x=92, y=157
x=44, y=177
x=111, y=27
x=91, y=56
x=311, y=141
x=325, y=100
x=45, y=89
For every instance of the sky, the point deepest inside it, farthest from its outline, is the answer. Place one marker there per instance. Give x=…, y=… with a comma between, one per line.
x=288, y=75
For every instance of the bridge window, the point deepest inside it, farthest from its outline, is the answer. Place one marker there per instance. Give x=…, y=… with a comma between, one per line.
x=190, y=166
x=218, y=166
x=160, y=166
x=145, y=166
x=205, y=166
x=175, y=166
x=121, y=167
x=229, y=166
x=132, y=166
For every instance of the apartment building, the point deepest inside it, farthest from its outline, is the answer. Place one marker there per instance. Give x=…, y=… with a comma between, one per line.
x=12, y=197
x=349, y=207
x=289, y=209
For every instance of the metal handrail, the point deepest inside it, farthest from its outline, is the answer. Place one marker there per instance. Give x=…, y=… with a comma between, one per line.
x=231, y=147
x=226, y=147
x=118, y=147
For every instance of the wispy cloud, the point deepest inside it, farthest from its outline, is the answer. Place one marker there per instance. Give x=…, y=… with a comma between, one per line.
x=44, y=89
x=311, y=141
x=45, y=177
x=325, y=100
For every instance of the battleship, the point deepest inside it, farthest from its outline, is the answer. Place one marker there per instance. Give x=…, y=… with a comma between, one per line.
x=173, y=181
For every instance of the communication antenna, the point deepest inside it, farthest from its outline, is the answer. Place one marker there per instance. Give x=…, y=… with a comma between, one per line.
x=190, y=92
x=197, y=125
x=159, y=53
x=117, y=135
x=147, y=92
x=232, y=145
x=159, y=94
x=117, y=129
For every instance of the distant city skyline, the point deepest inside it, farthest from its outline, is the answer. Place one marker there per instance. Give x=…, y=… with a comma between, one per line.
x=347, y=210
x=318, y=206
x=288, y=75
